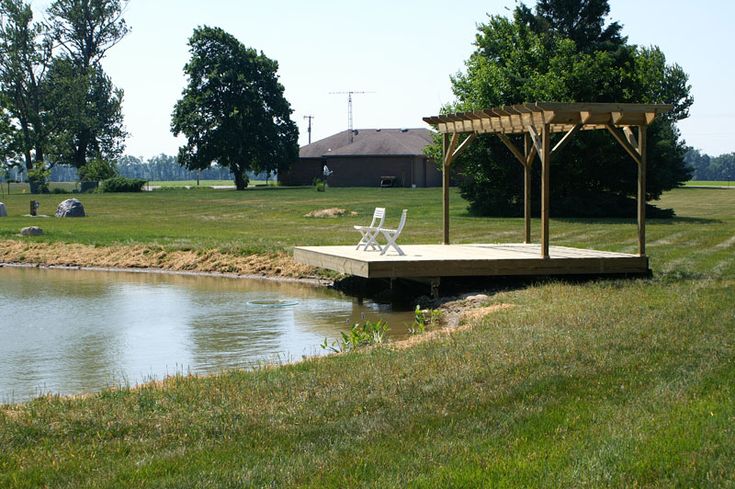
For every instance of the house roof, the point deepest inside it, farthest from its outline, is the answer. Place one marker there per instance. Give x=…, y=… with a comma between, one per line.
x=371, y=142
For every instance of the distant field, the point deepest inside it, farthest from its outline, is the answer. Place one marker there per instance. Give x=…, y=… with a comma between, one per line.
x=709, y=183
x=23, y=188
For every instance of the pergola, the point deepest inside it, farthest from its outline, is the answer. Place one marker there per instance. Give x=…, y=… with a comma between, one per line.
x=537, y=123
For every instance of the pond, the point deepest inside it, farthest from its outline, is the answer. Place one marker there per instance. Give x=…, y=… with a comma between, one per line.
x=74, y=331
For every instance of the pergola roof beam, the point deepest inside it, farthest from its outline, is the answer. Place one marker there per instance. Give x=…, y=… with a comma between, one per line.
x=514, y=119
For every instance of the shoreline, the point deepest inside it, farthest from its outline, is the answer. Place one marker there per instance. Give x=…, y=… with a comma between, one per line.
x=317, y=282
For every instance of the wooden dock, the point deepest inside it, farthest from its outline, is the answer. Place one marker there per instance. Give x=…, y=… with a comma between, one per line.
x=464, y=260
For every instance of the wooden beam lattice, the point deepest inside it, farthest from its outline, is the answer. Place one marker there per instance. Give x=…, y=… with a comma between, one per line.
x=536, y=122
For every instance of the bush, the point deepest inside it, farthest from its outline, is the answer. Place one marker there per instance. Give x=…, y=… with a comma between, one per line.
x=122, y=184
x=97, y=170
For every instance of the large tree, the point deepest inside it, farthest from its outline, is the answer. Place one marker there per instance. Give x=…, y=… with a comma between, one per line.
x=567, y=51
x=25, y=52
x=233, y=111
x=84, y=105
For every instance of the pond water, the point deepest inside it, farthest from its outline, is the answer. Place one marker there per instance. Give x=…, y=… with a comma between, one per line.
x=68, y=331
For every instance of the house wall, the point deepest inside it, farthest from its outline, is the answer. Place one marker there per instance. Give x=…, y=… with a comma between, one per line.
x=365, y=171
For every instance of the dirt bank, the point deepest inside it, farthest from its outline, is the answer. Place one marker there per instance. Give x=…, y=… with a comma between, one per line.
x=141, y=256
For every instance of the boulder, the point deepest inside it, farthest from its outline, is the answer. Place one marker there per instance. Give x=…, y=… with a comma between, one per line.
x=3, y=210
x=31, y=231
x=70, y=208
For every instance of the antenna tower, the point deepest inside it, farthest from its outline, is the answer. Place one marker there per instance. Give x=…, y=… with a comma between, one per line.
x=310, y=117
x=349, y=93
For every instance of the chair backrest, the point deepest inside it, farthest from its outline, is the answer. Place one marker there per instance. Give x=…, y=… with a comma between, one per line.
x=403, y=221
x=379, y=213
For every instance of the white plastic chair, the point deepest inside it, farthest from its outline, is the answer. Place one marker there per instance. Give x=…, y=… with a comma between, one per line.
x=369, y=233
x=391, y=235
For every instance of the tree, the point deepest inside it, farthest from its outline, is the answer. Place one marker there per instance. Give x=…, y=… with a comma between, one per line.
x=85, y=106
x=25, y=53
x=233, y=111
x=86, y=111
x=8, y=141
x=563, y=52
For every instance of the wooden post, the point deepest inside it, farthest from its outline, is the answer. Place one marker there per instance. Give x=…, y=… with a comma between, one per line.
x=527, y=188
x=642, y=191
x=545, y=169
x=445, y=186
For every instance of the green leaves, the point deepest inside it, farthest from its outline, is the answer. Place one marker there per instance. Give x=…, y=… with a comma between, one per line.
x=568, y=51
x=233, y=111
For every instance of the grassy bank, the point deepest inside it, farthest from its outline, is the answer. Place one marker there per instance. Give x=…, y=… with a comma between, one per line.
x=612, y=383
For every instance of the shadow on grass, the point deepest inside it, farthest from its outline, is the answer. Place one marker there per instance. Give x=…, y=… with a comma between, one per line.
x=632, y=222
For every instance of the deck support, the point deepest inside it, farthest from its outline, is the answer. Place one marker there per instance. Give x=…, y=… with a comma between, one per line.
x=545, y=170
x=450, y=150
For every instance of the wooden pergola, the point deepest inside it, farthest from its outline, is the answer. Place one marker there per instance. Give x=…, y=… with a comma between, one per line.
x=537, y=123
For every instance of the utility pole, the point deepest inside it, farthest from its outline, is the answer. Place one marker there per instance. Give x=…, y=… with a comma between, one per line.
x=349, y=93
x=310, y=117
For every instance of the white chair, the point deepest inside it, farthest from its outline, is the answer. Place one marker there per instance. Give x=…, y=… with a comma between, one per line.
x=391, y=235
x=369, y=233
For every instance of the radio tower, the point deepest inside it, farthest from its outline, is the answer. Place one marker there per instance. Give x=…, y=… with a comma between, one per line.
x=310, y=117
x=349, y=93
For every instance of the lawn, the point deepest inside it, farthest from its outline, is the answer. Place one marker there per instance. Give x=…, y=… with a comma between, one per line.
x=709, y=183
x=610, y=383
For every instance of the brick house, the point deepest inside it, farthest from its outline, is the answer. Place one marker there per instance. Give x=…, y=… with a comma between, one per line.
x=364, y=159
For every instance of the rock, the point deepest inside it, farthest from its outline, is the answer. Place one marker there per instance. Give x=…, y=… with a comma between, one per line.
x=477, y=298
x=70, y=208
x=31, y=231
x=3, y=210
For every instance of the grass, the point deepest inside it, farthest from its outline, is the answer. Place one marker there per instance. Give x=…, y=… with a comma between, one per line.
x=615, y=383
x=709, y=183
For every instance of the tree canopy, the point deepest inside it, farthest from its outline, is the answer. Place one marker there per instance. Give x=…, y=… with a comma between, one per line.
x=568, y=51
x=233, y=111
x=65, y=108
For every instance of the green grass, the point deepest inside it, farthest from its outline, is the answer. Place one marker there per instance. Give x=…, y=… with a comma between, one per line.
x=710, y=183
x=617, y=383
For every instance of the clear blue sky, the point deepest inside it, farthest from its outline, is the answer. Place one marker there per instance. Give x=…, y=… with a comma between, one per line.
x=403, y=51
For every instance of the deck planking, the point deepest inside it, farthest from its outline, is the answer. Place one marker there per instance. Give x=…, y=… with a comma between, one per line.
x=469, y=260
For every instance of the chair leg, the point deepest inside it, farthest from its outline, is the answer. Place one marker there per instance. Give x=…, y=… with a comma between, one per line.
x=391, y=238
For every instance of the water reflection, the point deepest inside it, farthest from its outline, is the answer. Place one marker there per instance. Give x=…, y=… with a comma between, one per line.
x=74, y=331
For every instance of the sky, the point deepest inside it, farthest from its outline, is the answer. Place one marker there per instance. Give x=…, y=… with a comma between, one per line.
x=401, y=51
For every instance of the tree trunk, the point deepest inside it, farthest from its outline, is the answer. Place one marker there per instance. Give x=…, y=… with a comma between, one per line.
x=241, y=182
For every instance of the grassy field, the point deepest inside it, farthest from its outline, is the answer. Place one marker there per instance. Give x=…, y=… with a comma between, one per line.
x=616, y=383
x=710, y=183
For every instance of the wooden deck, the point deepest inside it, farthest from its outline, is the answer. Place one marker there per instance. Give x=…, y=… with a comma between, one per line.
x=435, y=261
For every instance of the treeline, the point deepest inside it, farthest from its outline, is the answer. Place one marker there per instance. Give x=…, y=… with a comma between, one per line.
x=159, y=168
x=708, y=167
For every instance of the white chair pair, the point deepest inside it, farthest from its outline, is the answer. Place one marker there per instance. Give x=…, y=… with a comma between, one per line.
x=369, y=234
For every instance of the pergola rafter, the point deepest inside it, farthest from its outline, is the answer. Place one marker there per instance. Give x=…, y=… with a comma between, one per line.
x=537, y=122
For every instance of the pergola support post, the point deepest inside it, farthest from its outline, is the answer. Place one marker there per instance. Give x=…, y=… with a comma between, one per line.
x=642, y=190
x=445, y=187
x=545, y=195
x=527, y=189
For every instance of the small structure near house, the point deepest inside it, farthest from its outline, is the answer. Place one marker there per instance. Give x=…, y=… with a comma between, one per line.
x=70, y=208
x=3, y=210
x=371, y=158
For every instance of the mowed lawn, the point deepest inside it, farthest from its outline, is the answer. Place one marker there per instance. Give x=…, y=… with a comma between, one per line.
x=611, y=383
x=273, y=219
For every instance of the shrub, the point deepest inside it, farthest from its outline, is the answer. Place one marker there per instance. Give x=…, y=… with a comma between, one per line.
x=122, y=184
x=367, y=333
x=38, y=178
x=97, y=170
